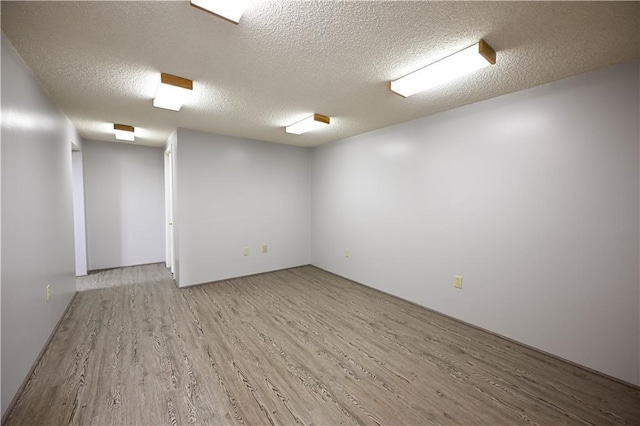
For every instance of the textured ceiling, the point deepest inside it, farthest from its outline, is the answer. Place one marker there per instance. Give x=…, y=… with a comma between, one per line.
x=100, y=60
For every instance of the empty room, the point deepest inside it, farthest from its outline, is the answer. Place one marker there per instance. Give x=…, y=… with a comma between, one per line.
x=320, y=212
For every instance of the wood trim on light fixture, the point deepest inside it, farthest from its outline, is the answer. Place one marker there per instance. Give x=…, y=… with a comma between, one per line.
x=174, y=80
x=123, y=127
x=472, y=58
x=308, y=124
x=487, y=52
x=321, y=118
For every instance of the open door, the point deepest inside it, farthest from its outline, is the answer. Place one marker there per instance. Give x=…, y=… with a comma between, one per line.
x=79, y=227
x=168, y=185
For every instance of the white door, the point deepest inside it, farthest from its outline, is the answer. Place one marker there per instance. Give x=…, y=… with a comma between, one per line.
x=168, y=170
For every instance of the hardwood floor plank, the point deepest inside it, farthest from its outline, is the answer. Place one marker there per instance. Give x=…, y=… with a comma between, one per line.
x=298, y=346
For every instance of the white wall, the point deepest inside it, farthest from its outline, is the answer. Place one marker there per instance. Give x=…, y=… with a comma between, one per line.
x=533, y=197
x=124, y=193
x=37, y=219
x=234, y=193
x=79, y=226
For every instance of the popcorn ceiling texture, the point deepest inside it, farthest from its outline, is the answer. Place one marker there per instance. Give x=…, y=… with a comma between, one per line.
x=100, y=61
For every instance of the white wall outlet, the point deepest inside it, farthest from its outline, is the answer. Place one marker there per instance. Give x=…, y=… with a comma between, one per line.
x=48, y=292
x=347, y=253
x=457, y=281
x=245, y=251
x=265, y=248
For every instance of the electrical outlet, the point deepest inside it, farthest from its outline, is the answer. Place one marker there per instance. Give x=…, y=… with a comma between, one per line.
x=48, y=292
x=457, y=281
x=347, y=253
x=265, y=248
x=245, y=251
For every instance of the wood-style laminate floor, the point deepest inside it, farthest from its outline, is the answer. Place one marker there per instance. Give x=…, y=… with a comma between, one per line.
x=299, y=346
x=140, y=274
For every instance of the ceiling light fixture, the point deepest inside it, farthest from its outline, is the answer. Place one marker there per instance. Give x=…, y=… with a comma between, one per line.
x=124, y=132
x=172, y=92
x=231, y=10
x=314, y=122
x=466, y=61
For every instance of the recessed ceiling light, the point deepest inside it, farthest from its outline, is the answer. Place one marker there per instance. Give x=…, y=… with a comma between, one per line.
x=172, y=92
x=230, y=10
x=316, y=121
x=461, y=63
x=124, y=132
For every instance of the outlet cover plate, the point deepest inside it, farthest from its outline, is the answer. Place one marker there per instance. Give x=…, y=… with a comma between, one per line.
x=457, y=281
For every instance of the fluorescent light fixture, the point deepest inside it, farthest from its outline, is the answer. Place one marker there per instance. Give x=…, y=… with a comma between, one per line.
x=230, y=10
x=314, y=122
x=466, y=61
x=172, y=92
x=124, y=132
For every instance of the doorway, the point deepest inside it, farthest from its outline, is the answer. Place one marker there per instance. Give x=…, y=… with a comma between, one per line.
x=168, y=185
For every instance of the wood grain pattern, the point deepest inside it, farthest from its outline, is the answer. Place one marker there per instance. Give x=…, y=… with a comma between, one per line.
x=487, y=52
x=322, y=118
x=123, y=127
x=149, y=273
x=299, y=346
x=174, y=80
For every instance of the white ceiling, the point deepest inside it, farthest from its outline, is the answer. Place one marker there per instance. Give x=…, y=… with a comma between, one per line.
x=100, y=60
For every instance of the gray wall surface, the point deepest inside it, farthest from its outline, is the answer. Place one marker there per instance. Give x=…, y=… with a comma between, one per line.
x=124, y=204
x=234, y=193
x=532, y=197
x=37, y=219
